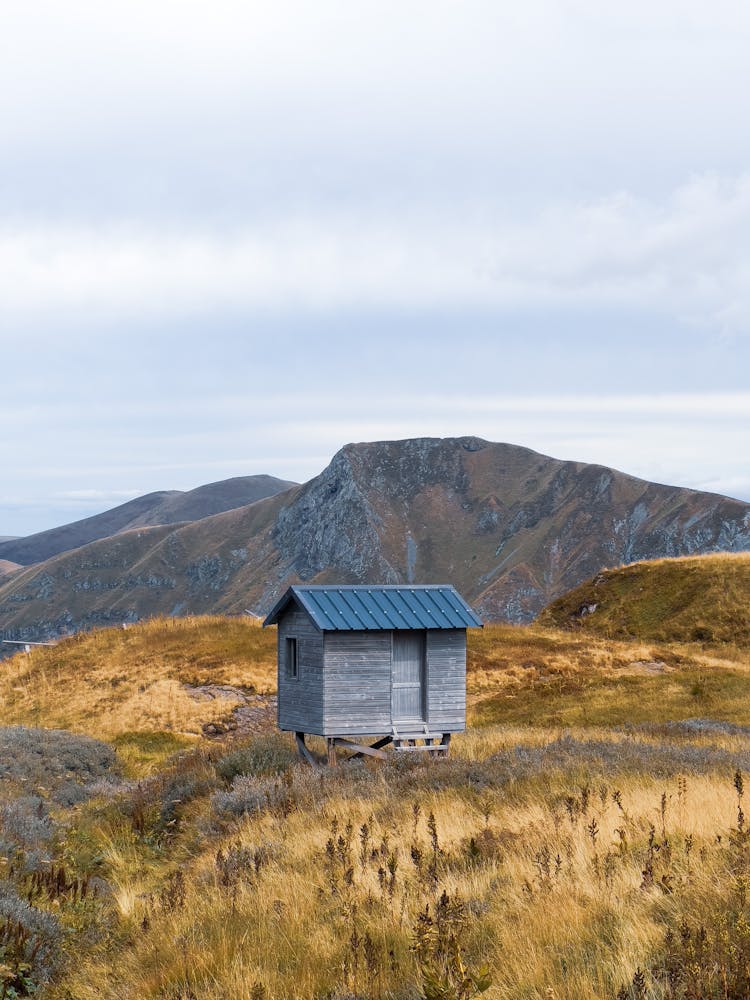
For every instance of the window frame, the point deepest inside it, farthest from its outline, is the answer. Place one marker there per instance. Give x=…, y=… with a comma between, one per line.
x=291, y=657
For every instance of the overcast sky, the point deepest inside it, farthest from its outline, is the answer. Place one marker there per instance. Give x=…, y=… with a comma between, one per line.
x=236, y=235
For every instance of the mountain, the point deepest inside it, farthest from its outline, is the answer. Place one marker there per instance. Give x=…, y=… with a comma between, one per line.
x=510, y=528
x=7, y=567
x=163, y=507
x=8, y=538
x=696, y=599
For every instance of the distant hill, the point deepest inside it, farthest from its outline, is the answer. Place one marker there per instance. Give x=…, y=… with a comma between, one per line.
x=8, y=567
x=163, y=507
x=698, y=599
x=511, y=528
x=8, y=538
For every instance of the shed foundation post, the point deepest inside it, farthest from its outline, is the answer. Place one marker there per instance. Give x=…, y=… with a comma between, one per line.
x=331, y=751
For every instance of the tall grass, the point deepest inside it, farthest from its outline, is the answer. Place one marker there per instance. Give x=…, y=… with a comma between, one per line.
x=388, y=881
x=586, y=840
x=691, y=599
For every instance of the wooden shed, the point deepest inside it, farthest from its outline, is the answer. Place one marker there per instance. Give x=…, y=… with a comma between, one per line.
x=360, y=661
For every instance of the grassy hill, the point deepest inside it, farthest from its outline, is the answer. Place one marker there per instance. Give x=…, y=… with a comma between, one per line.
x=695, y=599
x=585, y=840
x=141, y=687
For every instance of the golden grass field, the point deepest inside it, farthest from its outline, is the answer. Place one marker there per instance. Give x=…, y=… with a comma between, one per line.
x=586, y=839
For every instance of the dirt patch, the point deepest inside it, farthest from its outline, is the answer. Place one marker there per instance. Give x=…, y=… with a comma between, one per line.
x=252, y=713
x=649, y=667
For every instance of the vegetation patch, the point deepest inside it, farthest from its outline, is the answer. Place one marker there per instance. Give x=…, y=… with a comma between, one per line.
x=114, y=681
x=586, y=840
x=59, y=763
x=703, y=599
x=142, y=753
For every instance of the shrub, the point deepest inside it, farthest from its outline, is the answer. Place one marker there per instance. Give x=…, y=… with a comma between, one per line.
x=30, y=939
x=54, y=760
x=268, y=755
x=24, y=824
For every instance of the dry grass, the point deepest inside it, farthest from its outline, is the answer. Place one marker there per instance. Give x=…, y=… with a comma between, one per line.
x=113, y=681
x=545, y=677
x=577, y=824
x=692, y=599
x=562, y=893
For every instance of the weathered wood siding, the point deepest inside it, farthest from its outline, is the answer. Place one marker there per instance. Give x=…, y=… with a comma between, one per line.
x=344, y=679
x=357, y=683
x=446, y=679
x=300, y=698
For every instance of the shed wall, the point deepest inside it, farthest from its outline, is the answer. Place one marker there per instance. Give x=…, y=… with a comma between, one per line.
x=300, y=698
x=357, y=683
x=343, y=685
x=446, y=679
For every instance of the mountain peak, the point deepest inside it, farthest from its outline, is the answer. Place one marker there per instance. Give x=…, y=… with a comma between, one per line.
x=510, y=528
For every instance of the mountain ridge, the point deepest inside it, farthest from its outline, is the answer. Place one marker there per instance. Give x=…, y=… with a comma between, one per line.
x=512, y=529
x=159, y=507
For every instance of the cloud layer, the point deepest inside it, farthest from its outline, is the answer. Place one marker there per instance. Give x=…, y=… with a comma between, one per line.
x=688, y=256
x=234, y=236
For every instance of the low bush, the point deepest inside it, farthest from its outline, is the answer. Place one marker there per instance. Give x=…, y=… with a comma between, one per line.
x=263, y=755
x=54, y=760
x=30, y=942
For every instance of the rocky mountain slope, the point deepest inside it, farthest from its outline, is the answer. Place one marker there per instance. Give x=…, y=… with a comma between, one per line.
x=511, y=528
x=163, y=507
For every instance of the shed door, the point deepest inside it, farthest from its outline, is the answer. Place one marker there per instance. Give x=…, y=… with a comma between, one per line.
x=407, y=685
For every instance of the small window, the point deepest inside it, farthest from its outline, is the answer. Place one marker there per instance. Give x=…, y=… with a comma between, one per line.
x=292, y=665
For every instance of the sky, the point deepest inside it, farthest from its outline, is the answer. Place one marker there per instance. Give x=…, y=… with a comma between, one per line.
x=235, y=236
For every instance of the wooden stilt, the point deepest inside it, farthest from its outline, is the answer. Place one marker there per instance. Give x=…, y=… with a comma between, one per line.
x=303, y=751
x=414, y=744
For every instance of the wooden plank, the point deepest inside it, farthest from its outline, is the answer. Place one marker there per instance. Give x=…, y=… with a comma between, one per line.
x=370, y=751
x=382, y=742
x=357, y=683
x=446, y=684
x=303, y=751
x=408, y=676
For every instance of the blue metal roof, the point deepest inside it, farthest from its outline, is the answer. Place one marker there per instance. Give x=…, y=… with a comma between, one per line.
x=370, y=608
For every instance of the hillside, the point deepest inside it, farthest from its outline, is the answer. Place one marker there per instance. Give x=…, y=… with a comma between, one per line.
x=705, y=598
x=164, y=507
x=167, y=678
x=585, y=839
x=8, y=567
x=510, y=528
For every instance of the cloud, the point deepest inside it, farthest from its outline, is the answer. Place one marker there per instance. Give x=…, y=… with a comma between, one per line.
x=687, y=256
